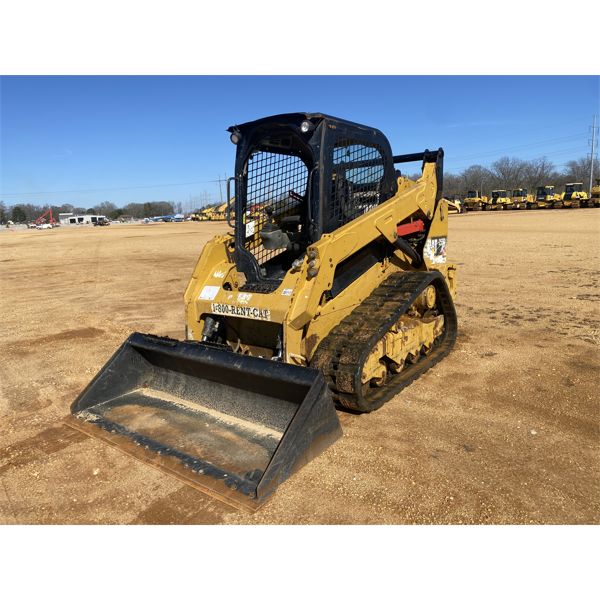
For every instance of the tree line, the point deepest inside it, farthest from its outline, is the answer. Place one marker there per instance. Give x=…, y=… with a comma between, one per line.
x=512, y=173
x=506, y=173
x=23, y=213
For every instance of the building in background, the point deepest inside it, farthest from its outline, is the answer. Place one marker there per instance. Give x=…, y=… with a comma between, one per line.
x=72, y=219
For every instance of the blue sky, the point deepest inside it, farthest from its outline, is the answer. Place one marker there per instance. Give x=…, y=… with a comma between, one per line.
x=164, y=138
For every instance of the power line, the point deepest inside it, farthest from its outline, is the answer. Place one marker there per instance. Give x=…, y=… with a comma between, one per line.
x=112, y=189
x=594, y=128
x=547, y=125
x=522, y=146
x=546, y=155
x=486, y=154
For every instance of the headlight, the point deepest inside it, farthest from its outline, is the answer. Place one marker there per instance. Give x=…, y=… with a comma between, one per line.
x=306, y=126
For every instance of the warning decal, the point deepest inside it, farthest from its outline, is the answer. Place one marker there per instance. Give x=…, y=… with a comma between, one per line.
x=435, y=250
x=209, y=292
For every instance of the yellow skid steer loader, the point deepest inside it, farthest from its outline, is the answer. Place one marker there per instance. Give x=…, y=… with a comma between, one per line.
x=332, y=289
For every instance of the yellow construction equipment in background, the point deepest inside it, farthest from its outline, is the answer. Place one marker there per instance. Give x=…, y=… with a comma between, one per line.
x=474, y=201
x=545, y=196
x=333, y=286
x=531, y=201
x=206, y=213
x=500, y=201
x=572, y=197
x=455, y=205
x=595, y=196
x=519, y=198
x=219, y=213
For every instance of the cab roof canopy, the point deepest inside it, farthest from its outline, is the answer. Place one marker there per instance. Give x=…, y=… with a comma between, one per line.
x=297, y=118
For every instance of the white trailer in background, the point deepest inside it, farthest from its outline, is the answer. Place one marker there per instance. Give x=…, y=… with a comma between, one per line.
x=71, y=219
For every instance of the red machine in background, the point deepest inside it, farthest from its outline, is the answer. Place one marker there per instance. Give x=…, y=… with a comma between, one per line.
x=42, y=221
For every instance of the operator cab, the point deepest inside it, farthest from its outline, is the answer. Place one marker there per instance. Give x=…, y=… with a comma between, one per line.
x=571, y=188
x=544, y=191
x=498, y=194
x=298, y=176
x=472, y=194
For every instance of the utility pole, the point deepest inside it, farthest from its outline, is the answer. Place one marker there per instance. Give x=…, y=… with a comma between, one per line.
x=220, y=190
x=592, y=154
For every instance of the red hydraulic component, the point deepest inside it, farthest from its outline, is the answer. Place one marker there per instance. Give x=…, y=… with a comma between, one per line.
x=412, y=227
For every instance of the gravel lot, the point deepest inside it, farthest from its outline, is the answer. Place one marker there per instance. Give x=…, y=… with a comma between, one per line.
x=504, y=430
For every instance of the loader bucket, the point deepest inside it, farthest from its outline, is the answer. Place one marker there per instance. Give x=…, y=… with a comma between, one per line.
x=232, y=425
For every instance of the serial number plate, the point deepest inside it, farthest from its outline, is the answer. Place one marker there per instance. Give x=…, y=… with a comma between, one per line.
x=248, y=312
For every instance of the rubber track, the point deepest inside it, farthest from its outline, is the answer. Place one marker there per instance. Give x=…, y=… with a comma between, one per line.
x=343, y=352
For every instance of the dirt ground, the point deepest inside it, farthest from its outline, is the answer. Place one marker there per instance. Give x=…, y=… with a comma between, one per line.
x=504, y=430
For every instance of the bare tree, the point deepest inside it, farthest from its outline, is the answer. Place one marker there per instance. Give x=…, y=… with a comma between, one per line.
x=508, y=173
x=477, y=178
x=104, y=208
x=579, y=170
x=452, y=185
x=538, y=172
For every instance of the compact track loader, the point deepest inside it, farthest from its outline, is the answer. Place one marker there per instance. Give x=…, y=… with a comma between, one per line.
x=333, y=289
